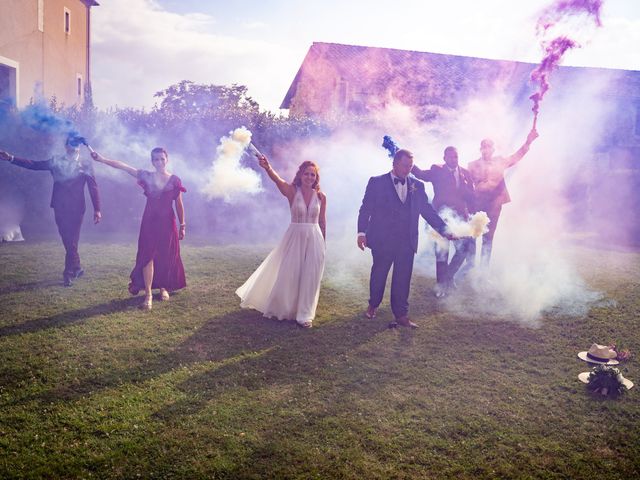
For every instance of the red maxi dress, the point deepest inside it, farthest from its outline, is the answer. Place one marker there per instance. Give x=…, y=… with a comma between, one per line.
x=158, y=240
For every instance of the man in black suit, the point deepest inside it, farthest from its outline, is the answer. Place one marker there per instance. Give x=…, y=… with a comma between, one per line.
x=70, y=175
x=388, y=225
x=453, y=189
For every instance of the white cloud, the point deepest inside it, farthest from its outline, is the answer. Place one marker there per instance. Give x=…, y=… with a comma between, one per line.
x=255, y=25
x=139, y=49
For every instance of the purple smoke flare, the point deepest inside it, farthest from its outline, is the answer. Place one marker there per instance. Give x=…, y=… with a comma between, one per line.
x=556, y=48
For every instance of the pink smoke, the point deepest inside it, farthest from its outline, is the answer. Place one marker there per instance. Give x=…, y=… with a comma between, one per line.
x=553, y=54
x=562, y=9
x=556, y=48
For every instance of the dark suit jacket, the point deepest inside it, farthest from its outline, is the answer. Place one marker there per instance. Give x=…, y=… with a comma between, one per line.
x=380, y=212
x=446, y=193
x=68, y=183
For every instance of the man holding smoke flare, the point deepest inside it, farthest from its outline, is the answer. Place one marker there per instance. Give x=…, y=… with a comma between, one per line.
x=487, y=173
x=70, y=175
x=453, y=190
x=388, y=225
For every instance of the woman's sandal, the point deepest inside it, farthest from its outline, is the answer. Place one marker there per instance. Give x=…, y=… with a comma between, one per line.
x=146, y=305
x=164, y=295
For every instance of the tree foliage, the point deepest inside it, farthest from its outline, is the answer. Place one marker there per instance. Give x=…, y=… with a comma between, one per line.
x=189, y=121
x=189, y=99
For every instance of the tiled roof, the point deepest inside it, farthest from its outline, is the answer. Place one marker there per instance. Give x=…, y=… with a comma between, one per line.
x=441, y=76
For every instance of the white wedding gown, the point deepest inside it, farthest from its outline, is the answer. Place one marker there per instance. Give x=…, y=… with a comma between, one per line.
x=287, y=283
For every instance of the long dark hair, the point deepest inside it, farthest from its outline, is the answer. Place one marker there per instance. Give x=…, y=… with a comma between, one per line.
x=297, y=180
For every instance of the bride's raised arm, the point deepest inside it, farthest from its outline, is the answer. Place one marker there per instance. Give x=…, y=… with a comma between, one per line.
x=285, y=188
x=115, y=164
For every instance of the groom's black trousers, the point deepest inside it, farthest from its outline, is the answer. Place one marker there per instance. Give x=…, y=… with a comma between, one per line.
x=401, y=258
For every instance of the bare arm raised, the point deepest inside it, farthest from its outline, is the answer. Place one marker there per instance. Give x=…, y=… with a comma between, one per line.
x=287, y=189
x=115, y=164
x=516, y=157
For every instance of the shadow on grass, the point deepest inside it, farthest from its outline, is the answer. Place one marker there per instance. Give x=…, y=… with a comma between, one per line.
x=27, y=287
x=68, y=318
x=299, y=356
x=233, y=340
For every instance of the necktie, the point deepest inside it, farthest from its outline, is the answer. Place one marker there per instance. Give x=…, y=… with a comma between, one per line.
x=455, y=177
x=398, y=180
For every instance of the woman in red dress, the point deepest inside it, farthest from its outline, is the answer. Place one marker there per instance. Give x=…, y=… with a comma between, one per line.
x=158, y=263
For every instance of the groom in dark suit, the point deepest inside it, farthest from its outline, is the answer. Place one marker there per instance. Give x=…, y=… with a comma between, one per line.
x=388, y=225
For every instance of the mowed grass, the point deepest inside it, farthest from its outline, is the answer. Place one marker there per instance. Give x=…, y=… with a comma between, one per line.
x=91, y=386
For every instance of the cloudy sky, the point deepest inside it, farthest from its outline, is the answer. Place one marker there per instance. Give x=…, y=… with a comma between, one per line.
x=143, y=46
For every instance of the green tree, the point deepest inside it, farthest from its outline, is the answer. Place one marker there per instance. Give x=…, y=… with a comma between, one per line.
x=189, y=99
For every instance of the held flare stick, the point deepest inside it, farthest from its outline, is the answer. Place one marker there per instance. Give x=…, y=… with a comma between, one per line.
x=77, y=140
x=254, y=150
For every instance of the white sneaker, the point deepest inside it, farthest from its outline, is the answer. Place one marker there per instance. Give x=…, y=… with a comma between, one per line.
x=440, y=290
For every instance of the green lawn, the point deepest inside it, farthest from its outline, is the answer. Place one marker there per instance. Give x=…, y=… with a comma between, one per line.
x=90, y=386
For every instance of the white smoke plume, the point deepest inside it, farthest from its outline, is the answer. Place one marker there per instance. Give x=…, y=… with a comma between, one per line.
x=458, y=227
x=533, y=272
x=11, y=215
x=227, y=178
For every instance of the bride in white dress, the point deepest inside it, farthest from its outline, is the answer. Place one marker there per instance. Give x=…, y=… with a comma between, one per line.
x=287, y=283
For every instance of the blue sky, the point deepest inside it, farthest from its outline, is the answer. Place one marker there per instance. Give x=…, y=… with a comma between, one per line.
x=142, y=46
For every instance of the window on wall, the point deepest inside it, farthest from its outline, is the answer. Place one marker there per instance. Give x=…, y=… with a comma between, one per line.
x=41, y=15
x=67, y=21
x=8, y=81
x=5, y=82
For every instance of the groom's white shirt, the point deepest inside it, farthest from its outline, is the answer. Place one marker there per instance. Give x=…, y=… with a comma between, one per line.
x=401, y=189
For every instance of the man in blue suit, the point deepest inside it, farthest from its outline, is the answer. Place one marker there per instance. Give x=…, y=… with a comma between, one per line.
x=388, y=225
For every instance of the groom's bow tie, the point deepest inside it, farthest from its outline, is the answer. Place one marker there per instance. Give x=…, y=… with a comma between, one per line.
x=399, y=180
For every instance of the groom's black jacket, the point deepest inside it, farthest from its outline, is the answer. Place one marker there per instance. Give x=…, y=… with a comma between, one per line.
x=381, y=213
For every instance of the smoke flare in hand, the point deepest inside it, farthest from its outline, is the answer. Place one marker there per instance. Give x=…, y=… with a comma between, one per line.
x=456, y=226
x=227, y=179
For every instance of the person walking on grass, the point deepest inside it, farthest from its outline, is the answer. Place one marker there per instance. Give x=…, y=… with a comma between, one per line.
x=287, y=283
x=70, y=174
x=158, y=262
x=491, y=193
x=388, y=225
